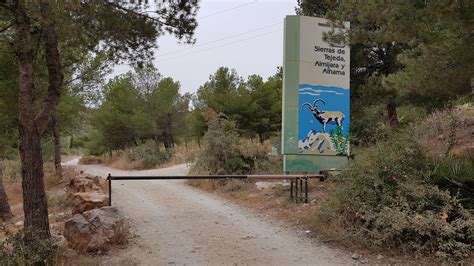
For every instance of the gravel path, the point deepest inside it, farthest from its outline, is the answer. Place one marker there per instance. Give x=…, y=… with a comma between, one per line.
x=177, y=224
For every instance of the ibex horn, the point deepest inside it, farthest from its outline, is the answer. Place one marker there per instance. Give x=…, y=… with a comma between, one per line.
x=306, y=104
x=319, y=100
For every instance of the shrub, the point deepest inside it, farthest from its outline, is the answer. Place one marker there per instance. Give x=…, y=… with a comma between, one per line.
x=225, y=153
x=369, y=124
x=455, y=173
x=90, y=159
x=383, y=197
x=148, y=155
x=14, y=251
x=447, y=132
x=410, y=114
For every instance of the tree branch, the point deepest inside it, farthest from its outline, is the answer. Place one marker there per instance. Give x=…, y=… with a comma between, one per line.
x=6, y=28
x=110, y=3
x=53, y=63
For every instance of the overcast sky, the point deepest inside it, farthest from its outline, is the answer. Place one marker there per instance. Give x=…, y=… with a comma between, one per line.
x=258, y=48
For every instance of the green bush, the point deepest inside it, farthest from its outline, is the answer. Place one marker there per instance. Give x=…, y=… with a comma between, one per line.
x=14, y=251
x=147, y=154
x=369, y=125
x=225, y=153
x=384, y=198
x=409, y=114
x=455, y=173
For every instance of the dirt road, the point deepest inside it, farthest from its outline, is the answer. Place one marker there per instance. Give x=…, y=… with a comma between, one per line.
x=177, y=224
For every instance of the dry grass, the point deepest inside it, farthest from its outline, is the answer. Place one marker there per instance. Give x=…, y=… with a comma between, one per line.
x=121, y=234
x=182, y=154
x=123, y=163
x=448, y=131
x=90, y=159
x=179, y=154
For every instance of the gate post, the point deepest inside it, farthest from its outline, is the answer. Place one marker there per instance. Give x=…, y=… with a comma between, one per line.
x=109, y=178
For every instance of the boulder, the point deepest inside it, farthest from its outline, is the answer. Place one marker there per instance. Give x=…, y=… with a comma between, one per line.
x=84, y=201
x=95, y=230
x=87, y=192
x=84, y=182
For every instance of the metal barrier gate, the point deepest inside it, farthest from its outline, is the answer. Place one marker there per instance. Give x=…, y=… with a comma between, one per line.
x=298, y=183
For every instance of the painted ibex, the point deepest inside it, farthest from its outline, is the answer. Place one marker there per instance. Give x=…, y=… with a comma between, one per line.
x=324, y=117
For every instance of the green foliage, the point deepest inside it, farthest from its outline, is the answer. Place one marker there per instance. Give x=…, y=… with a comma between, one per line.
x=255, y=105
x=147, y=154
x=455, y=173
x=339, y=141
x=223, y=152
x=15, y=251
x=409, y=115
x=383, y=197
x=120, y=120
x=136, y=107
x=369, y=125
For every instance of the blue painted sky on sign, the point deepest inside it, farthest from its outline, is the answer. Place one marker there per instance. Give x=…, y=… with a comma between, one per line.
x=337, y=99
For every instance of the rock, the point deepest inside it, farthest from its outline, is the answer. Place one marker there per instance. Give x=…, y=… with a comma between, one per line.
x=379, y=257
x=261, y=185
x=60, y=215
x=95, y=230
x=87, y=193
x=85, y=182
x=81, y=236
x=19, y=224
x=84, y=201
x=107, y=217
x=355, y=256
x=61, y=242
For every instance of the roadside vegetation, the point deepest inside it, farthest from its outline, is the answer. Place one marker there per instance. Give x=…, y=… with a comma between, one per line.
x=410, y=184
x=409, y=187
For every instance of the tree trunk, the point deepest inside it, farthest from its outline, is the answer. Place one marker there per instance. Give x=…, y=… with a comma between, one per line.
x=5, y=211
x=260, y=138
x=31, y=125
x=35, y=205
x=392, y=113
x=71, y=142
x=170, y=131
x=157, y=135
x=167, y=134
x=57, y=146
x=34, y=197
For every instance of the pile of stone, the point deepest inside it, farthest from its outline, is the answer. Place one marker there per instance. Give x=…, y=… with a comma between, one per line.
x=87, y=193
x=96, y=230
x=94, y=226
